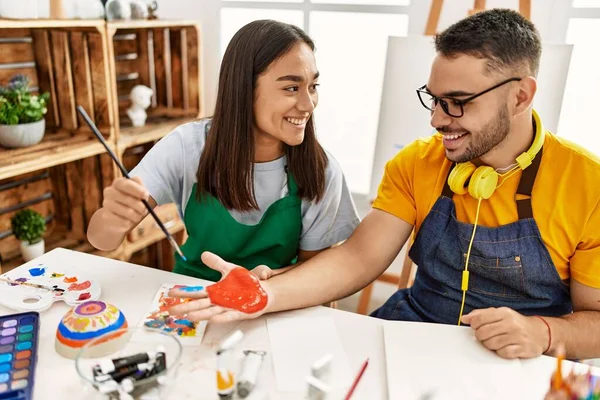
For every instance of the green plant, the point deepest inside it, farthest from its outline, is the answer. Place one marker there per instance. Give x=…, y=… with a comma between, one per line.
x=18, y=105
x=28, y=225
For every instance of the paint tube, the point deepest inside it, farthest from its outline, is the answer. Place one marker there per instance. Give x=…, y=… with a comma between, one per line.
x=317, y=390
x=225, y=384
x=108, y=366
x=321, y=369
x=250, y=368
x=146, y=371
x=108, y=387
x=225, y=376
x=117, y=375
x=230, y=341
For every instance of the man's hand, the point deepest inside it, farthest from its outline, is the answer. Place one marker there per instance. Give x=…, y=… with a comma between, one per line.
x=203, y=309
x=262, y=272
x=508, y=333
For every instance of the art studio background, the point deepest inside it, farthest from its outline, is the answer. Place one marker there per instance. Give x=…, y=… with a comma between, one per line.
x=367, y=109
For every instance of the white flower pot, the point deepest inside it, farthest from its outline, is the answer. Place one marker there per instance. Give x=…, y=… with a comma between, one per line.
x=31, y=251
x=22, y=135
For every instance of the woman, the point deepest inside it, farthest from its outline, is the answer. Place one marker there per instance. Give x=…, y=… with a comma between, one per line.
x=253, y=184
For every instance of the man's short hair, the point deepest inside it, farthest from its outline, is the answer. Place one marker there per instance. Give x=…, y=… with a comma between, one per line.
x=506, y=39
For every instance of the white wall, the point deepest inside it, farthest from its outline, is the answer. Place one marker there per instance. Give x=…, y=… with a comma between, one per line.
x=546, y=14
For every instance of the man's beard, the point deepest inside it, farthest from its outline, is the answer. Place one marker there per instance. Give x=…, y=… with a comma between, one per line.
x=488, y=137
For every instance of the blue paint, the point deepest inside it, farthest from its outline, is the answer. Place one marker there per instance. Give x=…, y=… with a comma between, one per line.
x=26, y=328
x=37, y=271
x=191, y=288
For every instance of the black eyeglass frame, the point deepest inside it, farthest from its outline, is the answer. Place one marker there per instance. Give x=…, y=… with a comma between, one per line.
x=442, y=100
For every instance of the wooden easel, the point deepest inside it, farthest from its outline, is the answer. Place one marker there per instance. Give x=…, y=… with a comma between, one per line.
x=479, y=5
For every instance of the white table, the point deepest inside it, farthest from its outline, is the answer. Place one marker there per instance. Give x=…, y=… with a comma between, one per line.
x=131, y=288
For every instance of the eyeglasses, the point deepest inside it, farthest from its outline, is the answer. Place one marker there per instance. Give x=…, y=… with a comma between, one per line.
x=452, y=106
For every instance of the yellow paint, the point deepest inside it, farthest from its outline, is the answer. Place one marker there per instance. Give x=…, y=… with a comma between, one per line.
x=225, y=384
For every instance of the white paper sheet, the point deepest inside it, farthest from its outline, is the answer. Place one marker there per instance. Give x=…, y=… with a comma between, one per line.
x=447, y=362
x=297, y=343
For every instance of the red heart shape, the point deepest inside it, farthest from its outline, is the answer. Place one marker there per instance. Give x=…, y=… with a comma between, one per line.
x=240, y=290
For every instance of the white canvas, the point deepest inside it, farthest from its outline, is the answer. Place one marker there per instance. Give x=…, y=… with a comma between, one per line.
x=403, y=119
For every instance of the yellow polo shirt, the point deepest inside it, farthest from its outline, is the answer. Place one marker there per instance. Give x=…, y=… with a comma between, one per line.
x=565, y=199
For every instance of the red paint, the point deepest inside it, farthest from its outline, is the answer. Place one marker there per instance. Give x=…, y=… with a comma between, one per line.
x=84, y=296
x=70, y=280
x=240, y=290
x=75, y=287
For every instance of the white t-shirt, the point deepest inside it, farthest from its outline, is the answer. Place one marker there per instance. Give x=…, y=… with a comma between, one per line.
x=168, y=171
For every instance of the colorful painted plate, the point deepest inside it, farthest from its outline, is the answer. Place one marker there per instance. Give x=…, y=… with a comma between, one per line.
x=87, y=322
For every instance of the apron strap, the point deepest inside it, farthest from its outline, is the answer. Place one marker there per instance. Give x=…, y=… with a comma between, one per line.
x=292, y=185
x=446, y=191
x=525, y=188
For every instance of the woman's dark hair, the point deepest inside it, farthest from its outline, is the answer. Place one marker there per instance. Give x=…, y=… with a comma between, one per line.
x=226, y=164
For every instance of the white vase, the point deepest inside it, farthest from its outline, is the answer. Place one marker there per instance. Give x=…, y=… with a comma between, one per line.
x=31, y=251
x=22, y=135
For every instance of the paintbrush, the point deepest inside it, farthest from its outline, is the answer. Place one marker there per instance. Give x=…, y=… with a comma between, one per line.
x=126, y=175
x=35, y=285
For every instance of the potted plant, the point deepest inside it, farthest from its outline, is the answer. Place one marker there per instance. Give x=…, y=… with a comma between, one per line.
x=22, y=120
x=28, y=226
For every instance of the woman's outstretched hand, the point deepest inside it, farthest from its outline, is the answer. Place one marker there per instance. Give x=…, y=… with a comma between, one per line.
x=238, y=295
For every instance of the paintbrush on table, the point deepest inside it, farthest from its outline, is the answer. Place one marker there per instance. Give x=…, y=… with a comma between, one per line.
x=97, y=133
x=35, y=285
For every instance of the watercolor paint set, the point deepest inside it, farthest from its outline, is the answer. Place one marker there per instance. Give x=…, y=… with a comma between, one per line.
x=42, y=286
x=18, y=355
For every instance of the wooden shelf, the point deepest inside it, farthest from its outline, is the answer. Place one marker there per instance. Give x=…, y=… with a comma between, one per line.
x=54, y=240
x=55, y=149
x=95, y=64
x=61, y=239
x=131, y=136
x=52, y=23
x=157, y=23
x=153, y=237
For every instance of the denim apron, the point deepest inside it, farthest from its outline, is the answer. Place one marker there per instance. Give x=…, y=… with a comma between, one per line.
x=509, y=266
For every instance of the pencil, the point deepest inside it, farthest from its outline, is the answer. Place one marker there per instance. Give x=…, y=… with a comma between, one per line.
x=357, y=379
x=126, y=175
x=35, y=285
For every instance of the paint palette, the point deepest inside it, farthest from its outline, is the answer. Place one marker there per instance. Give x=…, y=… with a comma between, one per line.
x=18, y=354
x=70, y=288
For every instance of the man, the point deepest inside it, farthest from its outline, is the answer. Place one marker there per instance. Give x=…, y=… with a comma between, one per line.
x=534, y=282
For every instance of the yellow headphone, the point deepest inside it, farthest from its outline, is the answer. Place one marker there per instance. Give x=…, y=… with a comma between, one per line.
x=483, y=180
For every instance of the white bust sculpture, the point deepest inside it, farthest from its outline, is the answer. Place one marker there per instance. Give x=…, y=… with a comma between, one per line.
x=140, y=100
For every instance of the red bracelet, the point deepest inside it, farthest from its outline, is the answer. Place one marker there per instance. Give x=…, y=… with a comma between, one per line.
x=549, y=333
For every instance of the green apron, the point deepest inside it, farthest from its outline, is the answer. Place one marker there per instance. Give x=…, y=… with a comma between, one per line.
x=272, y=242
